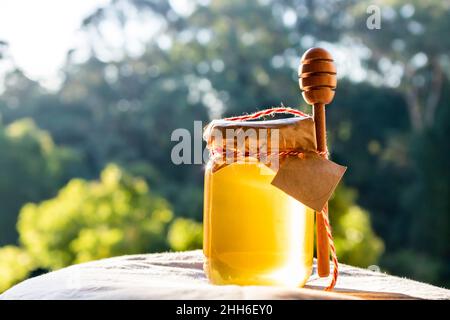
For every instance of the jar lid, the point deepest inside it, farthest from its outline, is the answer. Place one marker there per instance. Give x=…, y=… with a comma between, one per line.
x=290, y=134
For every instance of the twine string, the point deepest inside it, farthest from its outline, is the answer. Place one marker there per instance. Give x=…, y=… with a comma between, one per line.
x=324, y=212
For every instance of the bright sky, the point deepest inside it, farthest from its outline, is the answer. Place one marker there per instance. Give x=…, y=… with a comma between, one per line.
x=40, y=32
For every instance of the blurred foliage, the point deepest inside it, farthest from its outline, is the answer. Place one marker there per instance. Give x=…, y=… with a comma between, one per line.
x=355, y=241
x=388, y=124
x=15, y=265
x=93, y=220
x=33, y=168
x=90, y=220
x=185, y=234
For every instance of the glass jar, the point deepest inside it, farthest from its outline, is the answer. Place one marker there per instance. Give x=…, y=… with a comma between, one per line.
x=254, y=233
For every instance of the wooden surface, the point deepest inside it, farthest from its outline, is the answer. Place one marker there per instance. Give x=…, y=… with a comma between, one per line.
x=180, y=276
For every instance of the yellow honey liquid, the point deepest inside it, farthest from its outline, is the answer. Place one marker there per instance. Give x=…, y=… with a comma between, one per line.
x=254, y=233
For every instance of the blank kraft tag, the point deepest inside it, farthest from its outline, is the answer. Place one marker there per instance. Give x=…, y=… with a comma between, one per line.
x=311, y=180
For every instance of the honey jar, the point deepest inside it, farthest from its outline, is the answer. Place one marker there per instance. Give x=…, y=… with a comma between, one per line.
x=255, y=233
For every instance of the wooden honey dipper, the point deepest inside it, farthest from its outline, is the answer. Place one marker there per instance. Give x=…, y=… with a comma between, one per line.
x=317, y=79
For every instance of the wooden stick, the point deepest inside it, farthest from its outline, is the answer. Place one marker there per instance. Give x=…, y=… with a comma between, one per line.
x=323, y=249
x=317, y=79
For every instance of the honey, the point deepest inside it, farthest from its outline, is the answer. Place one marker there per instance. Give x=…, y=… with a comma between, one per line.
x=254, y=233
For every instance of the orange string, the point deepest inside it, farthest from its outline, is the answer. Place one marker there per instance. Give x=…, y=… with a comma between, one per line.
x=267, y=112
x=284, y=110
x=332, y=249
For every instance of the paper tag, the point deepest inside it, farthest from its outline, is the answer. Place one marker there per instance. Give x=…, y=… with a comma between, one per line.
x=311, y=179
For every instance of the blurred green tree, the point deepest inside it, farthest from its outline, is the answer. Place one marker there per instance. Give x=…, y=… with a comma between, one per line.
x=15, y=265
x=185, y=234
x=409, y=58
x=33, y=169
x=409, y=54
x=356, y=243
x=92, y=220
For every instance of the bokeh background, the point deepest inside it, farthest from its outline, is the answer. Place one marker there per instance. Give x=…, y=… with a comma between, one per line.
x=90, y=93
